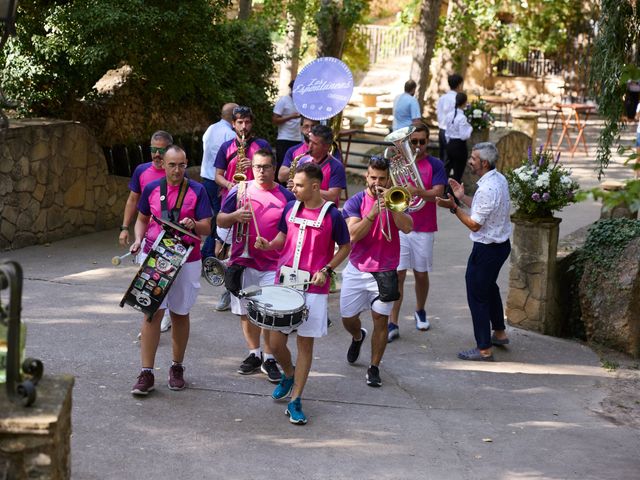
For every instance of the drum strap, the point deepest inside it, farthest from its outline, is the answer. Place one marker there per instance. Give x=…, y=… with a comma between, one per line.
x=304, y=223
x=174, y=214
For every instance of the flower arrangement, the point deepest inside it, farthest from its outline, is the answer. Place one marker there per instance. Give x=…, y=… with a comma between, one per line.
x=479, y=114
x=541, y=185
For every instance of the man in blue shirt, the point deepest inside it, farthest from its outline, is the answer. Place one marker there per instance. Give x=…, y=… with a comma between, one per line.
x=406, y=110
x=216, y=135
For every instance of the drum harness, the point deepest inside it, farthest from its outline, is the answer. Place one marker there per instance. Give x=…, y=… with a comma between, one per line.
x=173, y=214
x=303, y=223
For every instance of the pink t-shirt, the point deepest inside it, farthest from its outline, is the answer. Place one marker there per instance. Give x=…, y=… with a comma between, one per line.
x=318, y=246
x=227, y=158
x=373, y=253
x=267, y=206
x=143, y=175
x=432, y=173
x=196, y=205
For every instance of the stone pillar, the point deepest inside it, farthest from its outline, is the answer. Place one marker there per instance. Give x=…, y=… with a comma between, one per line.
x=531, y=300
x=35, y=442
x=526, y=122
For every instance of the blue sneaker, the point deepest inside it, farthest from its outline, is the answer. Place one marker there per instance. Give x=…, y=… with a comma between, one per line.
x=393, y=332
x=421, y=320
x=283, y=389
x=295, y=413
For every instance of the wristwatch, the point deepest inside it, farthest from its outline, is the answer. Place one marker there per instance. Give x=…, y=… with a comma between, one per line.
x=328, y=270
x=453, y=210
x=124, y=227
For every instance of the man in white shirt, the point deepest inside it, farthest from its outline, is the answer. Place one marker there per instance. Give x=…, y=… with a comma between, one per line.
x=447, y=103
x=490, y=227
x=406, y=110
x=216, y=135
x=287, y=119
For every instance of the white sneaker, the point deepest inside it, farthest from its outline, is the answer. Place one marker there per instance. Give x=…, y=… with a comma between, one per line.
x=166, y=322
x=422, y=323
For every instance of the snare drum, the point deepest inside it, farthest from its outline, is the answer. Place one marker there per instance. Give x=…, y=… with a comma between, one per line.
x=277, y=308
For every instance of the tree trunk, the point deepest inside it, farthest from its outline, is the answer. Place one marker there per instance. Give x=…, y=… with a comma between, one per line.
x=425, y=43
x=331, y=34
x=244, y=10
x=294, y=37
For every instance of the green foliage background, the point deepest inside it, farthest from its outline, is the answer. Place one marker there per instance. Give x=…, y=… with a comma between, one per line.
x=183, y=52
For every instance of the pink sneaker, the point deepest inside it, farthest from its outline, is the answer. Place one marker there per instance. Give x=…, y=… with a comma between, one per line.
x=144, y=385
x=176, y=378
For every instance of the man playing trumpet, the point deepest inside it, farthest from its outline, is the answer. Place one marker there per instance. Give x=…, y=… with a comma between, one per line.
x=370, y=280
x=263, y=199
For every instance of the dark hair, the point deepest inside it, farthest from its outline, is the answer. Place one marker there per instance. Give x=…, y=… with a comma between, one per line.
x=454, y=80
x=303, y=118
x=461, y=99
x=242, y=112
x=162, y=135
x=422, y=128
x=263, y=152
x=409, y=86
x=311, y=170
x=324, y=133
x=291, y=83
x=379, y=163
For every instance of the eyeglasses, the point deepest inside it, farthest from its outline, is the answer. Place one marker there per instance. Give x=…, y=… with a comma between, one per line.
x=160, y=150
x=264, y=167
x=242, y=111
x=173, y=166
x=415, y=141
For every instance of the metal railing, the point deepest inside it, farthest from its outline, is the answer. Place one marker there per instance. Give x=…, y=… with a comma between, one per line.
x=385, y=42
x=536, y=65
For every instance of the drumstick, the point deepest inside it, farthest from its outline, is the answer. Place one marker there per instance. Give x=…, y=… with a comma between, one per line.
x=297, y=284
x=118, y=260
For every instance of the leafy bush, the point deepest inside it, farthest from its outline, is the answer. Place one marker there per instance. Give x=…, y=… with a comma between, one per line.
x=182, y=52
x=478, y=112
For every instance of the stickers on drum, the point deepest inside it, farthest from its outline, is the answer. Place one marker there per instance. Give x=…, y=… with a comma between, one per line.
x=277, y=308
x=143, y=299
x=163, y=266
x=180, y=249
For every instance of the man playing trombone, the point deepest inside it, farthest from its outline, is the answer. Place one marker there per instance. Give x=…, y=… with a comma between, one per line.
x=375, y=217
x=264, y=199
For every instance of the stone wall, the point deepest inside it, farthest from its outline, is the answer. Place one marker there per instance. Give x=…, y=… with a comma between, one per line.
x=54, y=184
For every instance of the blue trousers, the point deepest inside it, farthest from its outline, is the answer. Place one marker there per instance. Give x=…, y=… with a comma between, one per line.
x=483, y=294
x=212, y=192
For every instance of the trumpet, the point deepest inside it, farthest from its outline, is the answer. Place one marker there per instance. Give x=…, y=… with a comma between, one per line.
x=402, y=164
x=240, y=174
x=396, y=199
x=242, y=230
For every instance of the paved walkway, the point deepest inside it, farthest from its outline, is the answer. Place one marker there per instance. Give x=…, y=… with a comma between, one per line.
x=535, y=413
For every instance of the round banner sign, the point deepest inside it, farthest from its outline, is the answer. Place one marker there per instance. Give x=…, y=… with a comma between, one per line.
x=322, y=88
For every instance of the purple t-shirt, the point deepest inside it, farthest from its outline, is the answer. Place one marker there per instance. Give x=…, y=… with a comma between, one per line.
x=196, y=205
x=318, y=246
x=267, y=207
x=301, y=149
x=143, y=175
x=373, y=253
x=432, y=173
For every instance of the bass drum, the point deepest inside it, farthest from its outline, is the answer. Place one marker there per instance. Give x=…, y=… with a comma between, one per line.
x=277, y=308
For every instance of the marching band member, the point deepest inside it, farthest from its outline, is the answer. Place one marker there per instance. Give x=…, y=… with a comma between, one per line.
x=187, y=204
x=234, y=157
x=267, y=200
x=416, y=247
x=309, y=229
x=370, y=280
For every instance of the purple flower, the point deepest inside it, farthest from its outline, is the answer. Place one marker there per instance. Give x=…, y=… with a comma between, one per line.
x=529, y=154
x=557, y=160
x=535, y=197
x=540, y=149
x=541, y=161
x=546, y=197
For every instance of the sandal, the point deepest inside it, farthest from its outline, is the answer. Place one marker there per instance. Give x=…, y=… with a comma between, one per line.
x=475, y=356
x=499, y=342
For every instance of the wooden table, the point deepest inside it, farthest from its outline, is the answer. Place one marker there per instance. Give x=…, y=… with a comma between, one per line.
x=503, y=102
x=574, y=116
x=551, y=114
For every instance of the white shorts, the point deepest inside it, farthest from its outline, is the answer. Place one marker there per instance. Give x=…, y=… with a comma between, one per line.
x=184, y=289
x=359, y=292
x=225, y=235
x=316, y=325
x=251, y=276
x=416, y=251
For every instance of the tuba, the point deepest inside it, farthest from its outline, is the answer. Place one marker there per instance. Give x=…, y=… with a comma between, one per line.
x=402, y=164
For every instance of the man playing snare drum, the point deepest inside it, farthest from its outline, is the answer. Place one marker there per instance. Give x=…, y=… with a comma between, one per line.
x=255, y=267
x=309, y=229
x=188, y=205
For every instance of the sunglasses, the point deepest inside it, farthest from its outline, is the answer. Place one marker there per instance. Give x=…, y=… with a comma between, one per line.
x=379, y=163
x=415, y=141
x=160, y=150
x=242, y=111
